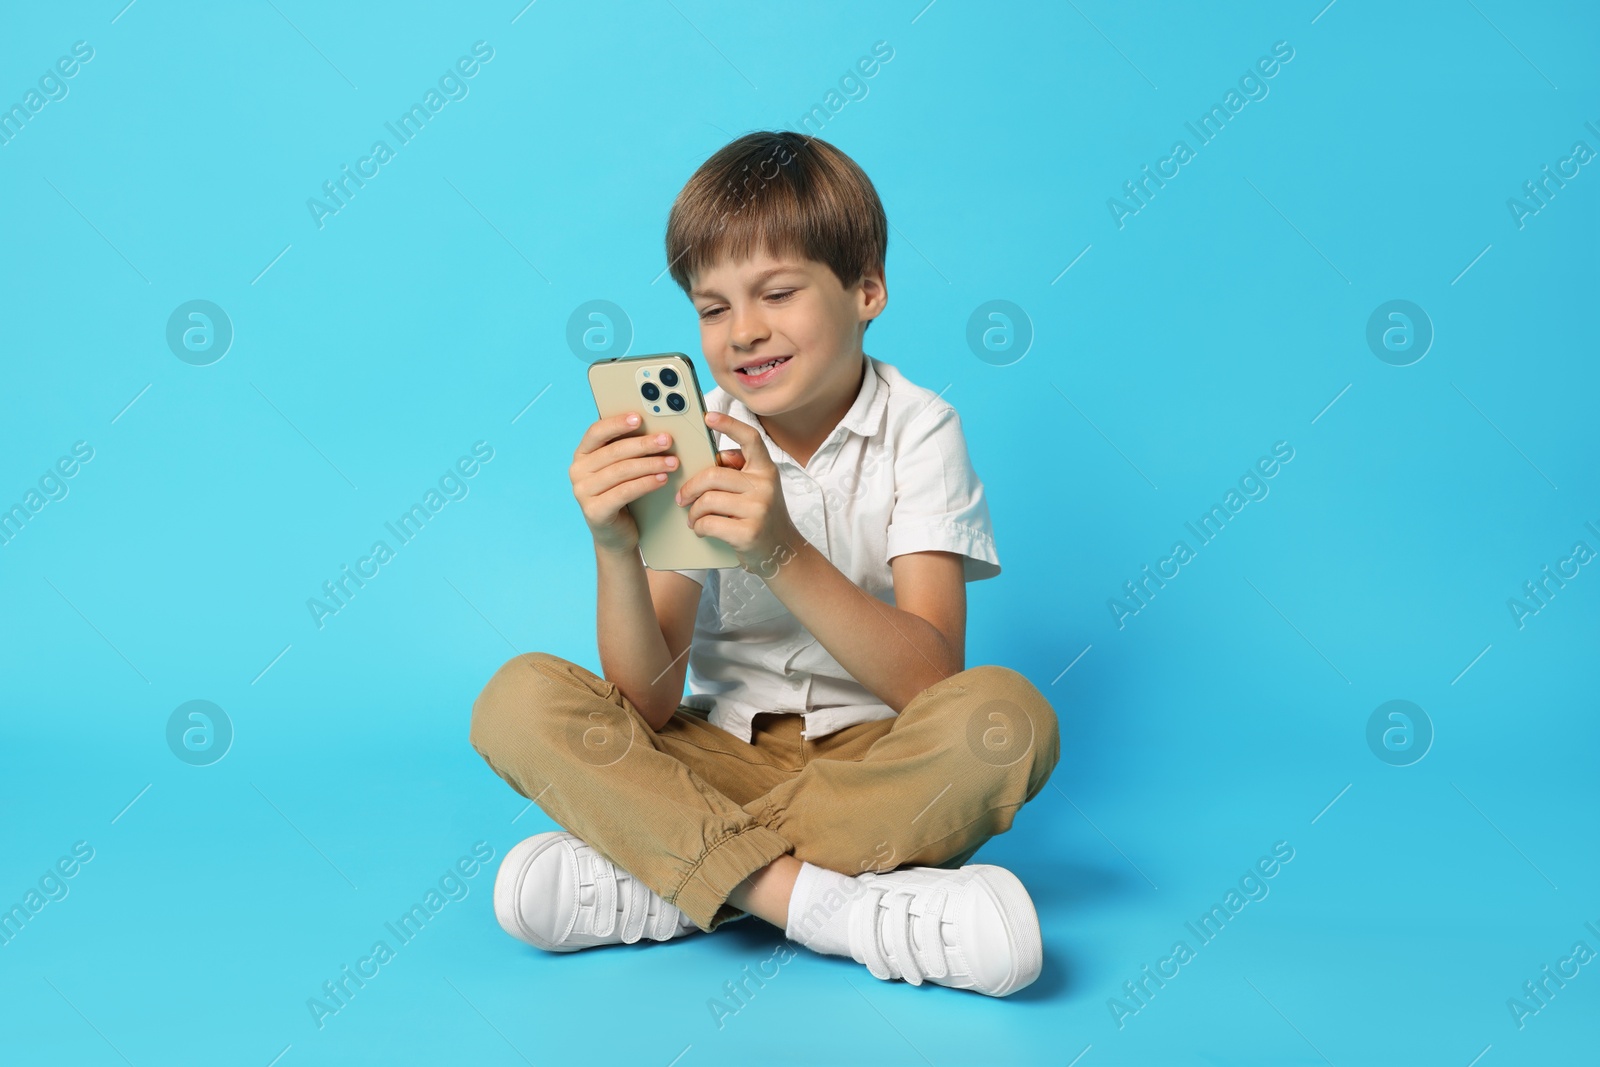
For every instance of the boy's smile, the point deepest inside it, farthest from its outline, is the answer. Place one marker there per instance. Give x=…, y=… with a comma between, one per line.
x=790, y=321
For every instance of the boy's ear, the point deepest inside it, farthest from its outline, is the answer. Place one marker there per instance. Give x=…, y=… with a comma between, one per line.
x=872, y=295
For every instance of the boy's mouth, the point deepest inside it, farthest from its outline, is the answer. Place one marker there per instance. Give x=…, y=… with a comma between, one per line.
x=761, y=373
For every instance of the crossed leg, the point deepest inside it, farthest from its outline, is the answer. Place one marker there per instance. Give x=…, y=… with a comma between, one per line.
x=718, y=826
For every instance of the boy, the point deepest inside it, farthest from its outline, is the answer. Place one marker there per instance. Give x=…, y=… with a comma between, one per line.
x=834, y=765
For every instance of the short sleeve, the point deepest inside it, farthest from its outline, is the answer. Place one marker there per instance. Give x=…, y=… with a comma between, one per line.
x=939, y=505
x=697, y=575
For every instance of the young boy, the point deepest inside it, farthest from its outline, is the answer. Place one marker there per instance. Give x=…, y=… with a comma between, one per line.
x=834, y=765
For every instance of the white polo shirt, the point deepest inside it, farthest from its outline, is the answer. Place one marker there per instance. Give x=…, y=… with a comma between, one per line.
x=893, y=477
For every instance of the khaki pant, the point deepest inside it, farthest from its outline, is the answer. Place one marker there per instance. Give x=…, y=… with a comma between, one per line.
x=692, y=811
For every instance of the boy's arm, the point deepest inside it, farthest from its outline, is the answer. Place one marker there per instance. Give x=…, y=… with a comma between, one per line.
x=894, y=651
x=645, y=621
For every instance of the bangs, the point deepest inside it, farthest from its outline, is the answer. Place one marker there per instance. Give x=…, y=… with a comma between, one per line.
x=781, y=193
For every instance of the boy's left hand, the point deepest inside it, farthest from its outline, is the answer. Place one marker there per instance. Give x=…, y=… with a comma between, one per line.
x=741, y=503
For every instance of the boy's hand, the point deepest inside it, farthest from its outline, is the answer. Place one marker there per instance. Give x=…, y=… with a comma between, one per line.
x=741, y=502
x=614, y=466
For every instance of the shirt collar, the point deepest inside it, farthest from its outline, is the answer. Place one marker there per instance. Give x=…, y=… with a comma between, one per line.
x=865, y=416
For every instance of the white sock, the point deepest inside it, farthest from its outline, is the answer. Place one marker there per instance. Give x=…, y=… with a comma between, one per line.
x=819, y=910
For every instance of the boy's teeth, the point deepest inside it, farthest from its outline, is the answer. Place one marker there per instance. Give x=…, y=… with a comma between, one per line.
x=760, y=368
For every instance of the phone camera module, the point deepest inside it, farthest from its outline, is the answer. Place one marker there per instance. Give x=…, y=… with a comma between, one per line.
x=676, y=402
x=668, y=376
x=650, y=391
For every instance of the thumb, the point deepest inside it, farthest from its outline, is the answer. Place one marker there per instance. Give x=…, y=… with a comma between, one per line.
x=731, y=457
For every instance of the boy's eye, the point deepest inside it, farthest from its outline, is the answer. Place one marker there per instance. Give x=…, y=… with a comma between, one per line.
x=709, y=312
x=781, y=296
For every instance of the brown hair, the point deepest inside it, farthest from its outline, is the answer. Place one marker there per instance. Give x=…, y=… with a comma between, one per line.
x=783, y=191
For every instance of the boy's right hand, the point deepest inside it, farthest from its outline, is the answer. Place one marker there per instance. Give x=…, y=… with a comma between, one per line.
x=610, y=470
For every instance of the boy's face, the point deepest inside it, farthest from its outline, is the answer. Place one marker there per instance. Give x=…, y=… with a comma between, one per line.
x=786, y=308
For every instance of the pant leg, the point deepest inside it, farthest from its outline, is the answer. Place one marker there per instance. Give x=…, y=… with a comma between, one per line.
x=571, y=741
x=926, y=788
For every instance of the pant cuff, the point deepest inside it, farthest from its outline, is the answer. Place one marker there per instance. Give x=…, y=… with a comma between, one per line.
x=703, y=895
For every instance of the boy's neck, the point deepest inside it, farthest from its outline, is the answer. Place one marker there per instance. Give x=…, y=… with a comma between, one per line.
x=801, y=431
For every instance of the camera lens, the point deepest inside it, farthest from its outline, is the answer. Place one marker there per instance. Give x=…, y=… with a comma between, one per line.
x=668, y=376
x=650, y=391
x=675, y=402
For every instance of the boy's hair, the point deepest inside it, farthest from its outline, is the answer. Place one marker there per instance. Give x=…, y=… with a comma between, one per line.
x=782, y=191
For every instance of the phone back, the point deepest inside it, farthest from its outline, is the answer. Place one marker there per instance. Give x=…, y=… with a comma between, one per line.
x=619, y=385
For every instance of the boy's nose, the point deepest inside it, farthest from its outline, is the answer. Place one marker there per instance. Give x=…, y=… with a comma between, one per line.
x=748, y=327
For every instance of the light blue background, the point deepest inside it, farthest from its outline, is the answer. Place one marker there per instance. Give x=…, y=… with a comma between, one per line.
x=1223, y=317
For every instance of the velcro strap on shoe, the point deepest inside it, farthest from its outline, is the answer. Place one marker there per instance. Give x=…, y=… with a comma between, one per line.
x=637, y=910
x=605, y=904
x=864, y=944
x=897, y=933
x=930, y=938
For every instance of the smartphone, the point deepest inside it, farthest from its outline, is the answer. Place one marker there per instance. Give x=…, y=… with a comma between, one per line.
x=665, y=392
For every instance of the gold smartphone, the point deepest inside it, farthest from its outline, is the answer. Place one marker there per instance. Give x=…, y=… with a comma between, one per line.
x=664, y=391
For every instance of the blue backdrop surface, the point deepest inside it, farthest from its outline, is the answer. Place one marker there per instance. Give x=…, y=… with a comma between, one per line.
x=1324, y=272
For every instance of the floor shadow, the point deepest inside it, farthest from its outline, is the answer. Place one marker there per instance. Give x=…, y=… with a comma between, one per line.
x=748, y=934
x=1055, y=980
x=1056, y=886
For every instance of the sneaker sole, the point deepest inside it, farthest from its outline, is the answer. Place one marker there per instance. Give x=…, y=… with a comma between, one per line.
x=508, y=891
x=1027, y=948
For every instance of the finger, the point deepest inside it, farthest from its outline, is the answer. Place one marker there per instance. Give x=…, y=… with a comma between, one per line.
x=602, y=430
x=756, y=456
x=731, y=458
x=717, y=502
x=731, y=479
x=621, y=449
x=718, y=526
x=614, y=474
x=614, y=500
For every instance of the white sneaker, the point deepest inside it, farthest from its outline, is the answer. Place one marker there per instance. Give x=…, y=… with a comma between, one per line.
x=556, y=892
x=973, y=928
